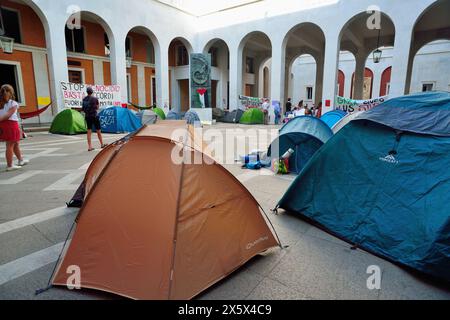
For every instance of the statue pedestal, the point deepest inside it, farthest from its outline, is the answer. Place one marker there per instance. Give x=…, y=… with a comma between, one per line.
x=205, y=115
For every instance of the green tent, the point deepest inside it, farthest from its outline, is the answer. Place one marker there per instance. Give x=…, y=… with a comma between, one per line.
x=252, y=116
x=160, y=113
x=68, y=122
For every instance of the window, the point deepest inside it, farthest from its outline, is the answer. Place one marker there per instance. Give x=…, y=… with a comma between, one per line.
x=150, y=52
x=107, y=46
x=128, y=47
x=388, y=88
x=75, y=40
x=249, y=65
x=10, y=24
x=213, y=52
x=76, y=76
x=8, y=75
x=427, y=87
x=129, y=87
x=153, y=91
x=309, y=93
x=182, y=56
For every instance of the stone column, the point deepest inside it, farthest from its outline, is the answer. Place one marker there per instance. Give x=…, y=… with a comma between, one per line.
x=401, y=64
x=359, y=74
x=330, y=70
x=236, y=74
x=118, y=62
x=57, y=62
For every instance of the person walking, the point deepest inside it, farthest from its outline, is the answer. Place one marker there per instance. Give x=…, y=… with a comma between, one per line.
x=9, y=128
x=90, y=109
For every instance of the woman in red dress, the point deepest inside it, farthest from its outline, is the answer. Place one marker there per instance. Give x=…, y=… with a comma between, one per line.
x=9, y=127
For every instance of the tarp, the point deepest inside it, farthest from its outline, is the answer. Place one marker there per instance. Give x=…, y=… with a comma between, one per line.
x=69, y=122
x=191, y=117
x=305, y=135
x=217, y=113
x=252, y=116
x=232, y=116
x=172, y=115
x=118, y=120
x=168, y=232
x=333, y=117
x=384, y=191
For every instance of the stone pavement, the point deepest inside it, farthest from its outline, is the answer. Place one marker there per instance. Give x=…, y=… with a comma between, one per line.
x=34, y=224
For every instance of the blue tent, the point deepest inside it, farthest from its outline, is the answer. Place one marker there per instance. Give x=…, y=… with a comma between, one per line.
x=305, y=135
x=118, y=120
x=191, y=117
x=333, y=117
x=172, y=115
x=383, y=183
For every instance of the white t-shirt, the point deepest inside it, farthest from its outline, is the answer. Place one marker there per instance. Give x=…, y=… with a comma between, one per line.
x=299, y=113
x=7, y=107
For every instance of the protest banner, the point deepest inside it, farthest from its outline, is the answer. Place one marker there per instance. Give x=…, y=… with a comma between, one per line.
x=250, y=102
x=351, y=105
x=74, y=93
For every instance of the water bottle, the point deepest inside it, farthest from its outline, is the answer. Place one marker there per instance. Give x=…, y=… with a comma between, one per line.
x=288, y=154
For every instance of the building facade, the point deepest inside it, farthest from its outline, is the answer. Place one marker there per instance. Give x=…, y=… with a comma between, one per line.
x=144, y=46
x=431, y=70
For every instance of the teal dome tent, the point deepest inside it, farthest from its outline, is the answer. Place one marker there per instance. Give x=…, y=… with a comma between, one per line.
x=382, y=183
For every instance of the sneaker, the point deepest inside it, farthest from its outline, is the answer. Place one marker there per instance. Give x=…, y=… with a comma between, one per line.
x=13, y=168
x=23, y=162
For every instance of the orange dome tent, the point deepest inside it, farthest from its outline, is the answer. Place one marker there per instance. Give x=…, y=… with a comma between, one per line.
x=153, y=229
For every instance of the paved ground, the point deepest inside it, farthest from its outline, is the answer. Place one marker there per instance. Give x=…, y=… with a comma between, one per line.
x=34, y=224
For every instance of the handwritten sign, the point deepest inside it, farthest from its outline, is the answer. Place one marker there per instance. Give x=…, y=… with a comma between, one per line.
x=74, y=93
x=107, y=118
x=351, y=106
x=250, y=102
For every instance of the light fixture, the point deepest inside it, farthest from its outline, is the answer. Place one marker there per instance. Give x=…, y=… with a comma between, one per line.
x=377, y=53
x=7, y=44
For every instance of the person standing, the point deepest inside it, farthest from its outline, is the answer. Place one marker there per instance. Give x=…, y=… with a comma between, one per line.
x=9, y=127
x=265, y=109
x=90, y=109
x=289, y=106
x=300, y=110
x=319, y=110
x=277, y=113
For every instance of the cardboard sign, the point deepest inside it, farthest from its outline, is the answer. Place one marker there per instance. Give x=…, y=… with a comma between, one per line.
x=74, y=93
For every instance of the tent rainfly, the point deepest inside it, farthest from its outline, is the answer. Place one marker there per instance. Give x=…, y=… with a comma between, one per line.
x=68, y=122
x=383, y=184
x=169, y=231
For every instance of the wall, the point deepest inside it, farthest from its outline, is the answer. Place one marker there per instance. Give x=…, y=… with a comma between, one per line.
x=431, y=64
x=31, y=55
